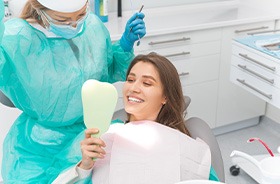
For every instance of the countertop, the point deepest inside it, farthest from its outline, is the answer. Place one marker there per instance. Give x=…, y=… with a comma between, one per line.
x=192, y=17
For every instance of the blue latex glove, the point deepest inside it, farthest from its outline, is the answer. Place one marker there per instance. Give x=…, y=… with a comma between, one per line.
x=135, y=26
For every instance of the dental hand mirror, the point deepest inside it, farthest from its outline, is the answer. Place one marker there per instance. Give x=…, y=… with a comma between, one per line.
x=99, y=101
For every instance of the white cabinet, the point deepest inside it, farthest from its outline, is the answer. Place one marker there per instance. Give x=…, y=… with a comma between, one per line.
x=234, y=103
x=203, y=101
x=150, y=43
x=256, y=72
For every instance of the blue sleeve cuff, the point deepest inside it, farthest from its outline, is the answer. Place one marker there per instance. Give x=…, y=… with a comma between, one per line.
x=126, y=45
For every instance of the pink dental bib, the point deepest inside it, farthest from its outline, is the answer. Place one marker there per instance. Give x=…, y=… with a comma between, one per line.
x=148, y=152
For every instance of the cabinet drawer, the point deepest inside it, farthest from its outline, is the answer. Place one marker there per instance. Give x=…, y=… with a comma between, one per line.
x=254, y=28
x=256, y=71
x=171, y=40
x=256, y=58
x=203, y=101
x=260, y=88
x=189, y=51
x=196, y=70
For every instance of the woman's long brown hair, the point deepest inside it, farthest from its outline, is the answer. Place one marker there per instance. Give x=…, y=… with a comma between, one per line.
x=171, y=114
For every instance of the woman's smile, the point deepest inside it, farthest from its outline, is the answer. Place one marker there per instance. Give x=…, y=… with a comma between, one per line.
x=135, y=99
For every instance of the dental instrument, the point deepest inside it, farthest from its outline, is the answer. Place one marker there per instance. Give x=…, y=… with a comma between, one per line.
x=138, y=42
x=137, y=16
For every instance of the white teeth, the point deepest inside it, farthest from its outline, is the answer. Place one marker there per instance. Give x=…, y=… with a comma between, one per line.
x=134, y=100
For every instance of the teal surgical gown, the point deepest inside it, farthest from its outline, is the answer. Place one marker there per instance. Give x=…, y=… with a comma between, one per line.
x=43, y=78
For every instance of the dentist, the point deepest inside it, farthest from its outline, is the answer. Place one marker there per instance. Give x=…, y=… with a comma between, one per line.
x=45, y=57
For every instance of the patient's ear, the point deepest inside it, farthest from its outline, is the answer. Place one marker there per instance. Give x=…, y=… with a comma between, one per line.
x=164, y=101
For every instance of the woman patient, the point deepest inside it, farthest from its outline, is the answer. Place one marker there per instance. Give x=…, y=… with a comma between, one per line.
x=153, y=100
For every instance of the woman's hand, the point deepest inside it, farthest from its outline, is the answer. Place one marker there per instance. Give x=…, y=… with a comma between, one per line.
x=91, y=148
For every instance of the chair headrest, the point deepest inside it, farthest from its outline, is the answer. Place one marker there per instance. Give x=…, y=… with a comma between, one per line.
x=187, y=101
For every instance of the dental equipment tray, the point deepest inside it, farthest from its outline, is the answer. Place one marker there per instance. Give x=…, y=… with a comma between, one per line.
x=248, y=167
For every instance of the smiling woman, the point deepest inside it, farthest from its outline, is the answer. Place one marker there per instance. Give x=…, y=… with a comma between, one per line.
x=155, y=78
x=154, y=103
x=143, y=92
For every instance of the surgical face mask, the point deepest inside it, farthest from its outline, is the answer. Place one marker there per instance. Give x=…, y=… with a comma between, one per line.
x=66, y=32
x=65, y=29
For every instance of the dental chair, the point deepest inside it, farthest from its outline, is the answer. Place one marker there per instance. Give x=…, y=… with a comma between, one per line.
x=5, y=101
x=197, y=128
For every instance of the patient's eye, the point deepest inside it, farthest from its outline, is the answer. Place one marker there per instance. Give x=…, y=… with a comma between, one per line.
x=130, y=79
x=147, y=83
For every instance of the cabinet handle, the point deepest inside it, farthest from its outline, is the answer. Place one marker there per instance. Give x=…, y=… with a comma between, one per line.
x=251, y=29
x=257, y=62
x=261, y=32
x=244, y=67
x=255, y=89
x=177, y=54
x=184, y=74
x=169, y=41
